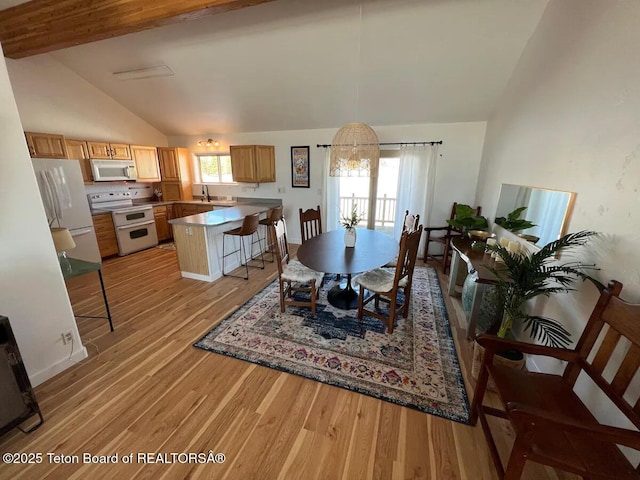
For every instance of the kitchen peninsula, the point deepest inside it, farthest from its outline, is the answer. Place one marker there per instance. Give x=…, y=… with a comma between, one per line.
x=198, y=240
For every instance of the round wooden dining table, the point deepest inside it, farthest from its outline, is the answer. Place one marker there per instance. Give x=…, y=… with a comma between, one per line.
x=327, y=253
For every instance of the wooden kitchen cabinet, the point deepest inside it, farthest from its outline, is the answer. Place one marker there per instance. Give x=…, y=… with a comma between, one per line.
x=253, y=163
x=161, y=216
x=77, y=150
x=46, y=145
x=186, y=209
x=175, y=172
x=147, y=166
x=205, y=208
x=109, y=151
x=106, y=234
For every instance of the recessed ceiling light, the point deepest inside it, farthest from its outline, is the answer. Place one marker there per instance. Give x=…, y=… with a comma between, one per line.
x=159, y=71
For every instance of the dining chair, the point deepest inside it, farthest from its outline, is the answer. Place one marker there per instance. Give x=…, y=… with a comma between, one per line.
x=249, y=228
x=444, y=237
x=552, y=425
x=310, y=223
x=293, y=276
x=273, y=215
x=385, y=284
x=409, y=223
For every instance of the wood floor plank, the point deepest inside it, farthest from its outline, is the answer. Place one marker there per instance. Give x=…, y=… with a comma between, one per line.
x=360, y=458
x=146, y=389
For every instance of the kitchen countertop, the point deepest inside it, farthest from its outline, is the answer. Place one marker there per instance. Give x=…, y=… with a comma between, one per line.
x=220, y=217
x=155, y=203
x=214, y=203
x=263, y=202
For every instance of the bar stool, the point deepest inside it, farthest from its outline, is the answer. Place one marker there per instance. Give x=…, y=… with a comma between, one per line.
x=274, y=215
x=249, y=228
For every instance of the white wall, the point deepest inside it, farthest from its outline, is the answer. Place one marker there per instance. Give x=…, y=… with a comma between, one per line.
x=50, y=98
x=456, y=176
x=569, y=120
x=32, y=290
x=53, y=99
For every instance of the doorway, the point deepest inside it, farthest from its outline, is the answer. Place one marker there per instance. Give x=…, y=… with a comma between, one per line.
x=375, y=195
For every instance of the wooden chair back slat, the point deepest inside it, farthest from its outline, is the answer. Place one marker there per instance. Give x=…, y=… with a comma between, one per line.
x=591, y=331
x=622, y=319
x=408, y=253
x=606, y=349
x=310, y=223
x=626, y=371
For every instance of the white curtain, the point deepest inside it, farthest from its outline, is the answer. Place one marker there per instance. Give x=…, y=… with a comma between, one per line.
x=416, y=183
x=331, y=207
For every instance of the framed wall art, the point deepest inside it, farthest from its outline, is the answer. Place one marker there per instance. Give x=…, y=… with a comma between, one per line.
x=300, y=167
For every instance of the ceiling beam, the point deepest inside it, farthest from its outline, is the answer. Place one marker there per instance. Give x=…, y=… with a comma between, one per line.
x=41, y=26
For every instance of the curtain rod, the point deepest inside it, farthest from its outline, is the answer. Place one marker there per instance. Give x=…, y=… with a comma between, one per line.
x=392, y=143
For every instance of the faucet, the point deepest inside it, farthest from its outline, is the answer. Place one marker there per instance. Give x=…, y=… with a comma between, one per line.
x=203, y=193
x=208, y=196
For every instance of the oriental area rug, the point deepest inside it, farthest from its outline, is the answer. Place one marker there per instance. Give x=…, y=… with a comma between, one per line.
x=416, y=366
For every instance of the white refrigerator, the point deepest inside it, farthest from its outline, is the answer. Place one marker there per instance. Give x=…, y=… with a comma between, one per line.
x=66, y=205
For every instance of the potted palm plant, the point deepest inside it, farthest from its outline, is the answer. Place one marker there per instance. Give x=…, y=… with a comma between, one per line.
x=523, y=276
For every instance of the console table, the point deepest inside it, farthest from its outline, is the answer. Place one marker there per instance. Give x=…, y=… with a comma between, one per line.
x=77, y=267
x=478, y=264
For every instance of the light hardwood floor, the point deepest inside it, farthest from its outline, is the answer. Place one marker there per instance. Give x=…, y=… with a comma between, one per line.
x=146, y=389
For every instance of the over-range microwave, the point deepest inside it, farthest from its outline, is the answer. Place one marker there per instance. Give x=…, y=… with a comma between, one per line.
x=110, y=170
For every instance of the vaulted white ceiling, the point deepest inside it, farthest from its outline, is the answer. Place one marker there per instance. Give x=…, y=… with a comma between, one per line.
x=291, y=65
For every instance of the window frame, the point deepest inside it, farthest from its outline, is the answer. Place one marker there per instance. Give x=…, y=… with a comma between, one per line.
x=217, y=155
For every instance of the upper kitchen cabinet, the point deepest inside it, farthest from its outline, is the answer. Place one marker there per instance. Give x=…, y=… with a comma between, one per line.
x=46, y=145
x=253, y=163
x=109, y=151
x=146, y=159
x=77, y=150
x=175, y=172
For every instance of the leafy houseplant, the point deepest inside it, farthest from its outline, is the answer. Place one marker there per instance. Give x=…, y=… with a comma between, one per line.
x=353, y=219
x=513, y=222
x=525, y=275
x=466, y=219
x=349, y=223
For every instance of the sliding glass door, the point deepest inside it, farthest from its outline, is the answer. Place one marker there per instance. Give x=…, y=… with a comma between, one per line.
x=375, y=195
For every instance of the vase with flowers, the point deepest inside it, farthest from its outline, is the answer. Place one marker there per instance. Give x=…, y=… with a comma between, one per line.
x=349, y=223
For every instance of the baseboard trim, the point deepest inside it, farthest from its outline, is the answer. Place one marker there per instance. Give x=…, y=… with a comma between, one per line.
x=197, y=276
x=50, y=372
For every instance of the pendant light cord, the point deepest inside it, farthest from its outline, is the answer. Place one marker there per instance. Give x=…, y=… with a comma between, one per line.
x=358, y=65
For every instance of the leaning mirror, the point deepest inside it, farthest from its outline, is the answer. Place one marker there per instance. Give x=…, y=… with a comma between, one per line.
x=548, y=209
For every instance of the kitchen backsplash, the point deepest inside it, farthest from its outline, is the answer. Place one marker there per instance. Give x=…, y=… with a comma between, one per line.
x=138, y=190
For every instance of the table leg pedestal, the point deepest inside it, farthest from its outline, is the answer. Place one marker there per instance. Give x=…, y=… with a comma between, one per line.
x=345, y=298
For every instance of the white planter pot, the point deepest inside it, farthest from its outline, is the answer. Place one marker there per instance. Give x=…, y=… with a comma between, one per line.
x=350, y=237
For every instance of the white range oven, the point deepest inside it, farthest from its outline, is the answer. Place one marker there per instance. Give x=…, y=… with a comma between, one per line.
x=135, y=225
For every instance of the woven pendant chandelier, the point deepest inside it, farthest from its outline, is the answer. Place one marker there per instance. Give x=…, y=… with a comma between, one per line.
x=355, y=149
